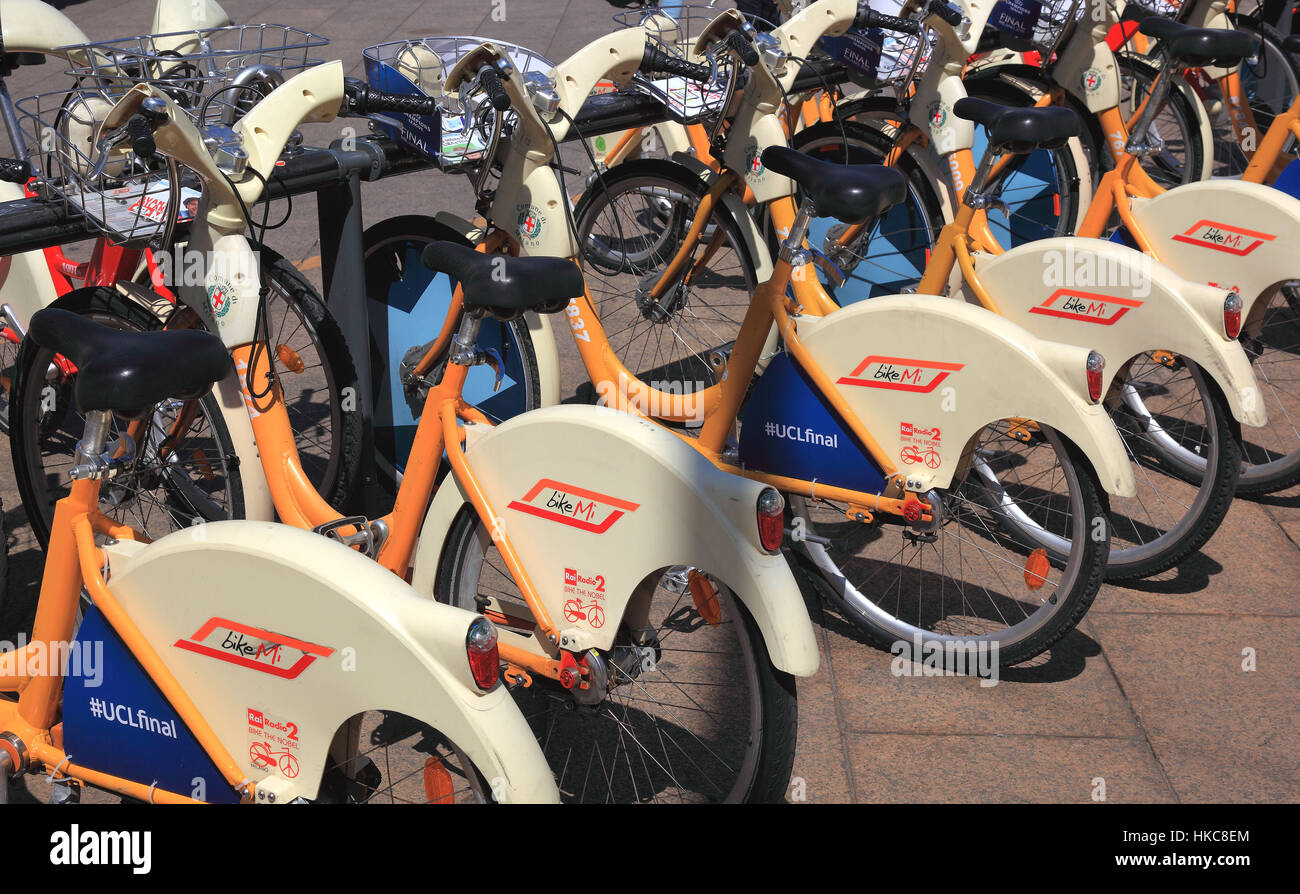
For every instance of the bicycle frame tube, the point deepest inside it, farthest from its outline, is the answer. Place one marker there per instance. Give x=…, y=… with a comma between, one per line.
x=1268, y=160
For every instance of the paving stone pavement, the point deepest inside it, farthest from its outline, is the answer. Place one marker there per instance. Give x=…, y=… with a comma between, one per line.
x=1147, y=701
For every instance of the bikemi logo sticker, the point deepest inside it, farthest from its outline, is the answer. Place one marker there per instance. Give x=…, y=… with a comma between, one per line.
x=1222, y=237
x=254, y=648
x=900, y=374
x=577, y=507
x=1072, y=304
x=221, y=296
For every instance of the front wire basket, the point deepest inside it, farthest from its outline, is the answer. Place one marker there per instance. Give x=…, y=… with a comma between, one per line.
x=1038, y=25
x=1174, y=9
x=879, y=59
x=461, y=135
x=675, y=27
x=214, y=75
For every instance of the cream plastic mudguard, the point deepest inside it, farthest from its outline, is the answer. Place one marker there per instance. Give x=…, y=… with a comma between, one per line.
x=31, y=26
x=633, y=501
x=961, y=369
x=1124, y=305
x=1227, y=233
x=341, y=636
x=25, y=281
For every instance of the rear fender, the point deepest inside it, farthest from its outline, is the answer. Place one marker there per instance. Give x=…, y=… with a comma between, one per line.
x=602, y=493
x=1117, y=301
x=372, y=644
x=925, y=374
x=1234, y=235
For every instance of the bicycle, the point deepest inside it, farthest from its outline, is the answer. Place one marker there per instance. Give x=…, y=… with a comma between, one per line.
x=308, y=344
x=416, y=711
x=1150, y=533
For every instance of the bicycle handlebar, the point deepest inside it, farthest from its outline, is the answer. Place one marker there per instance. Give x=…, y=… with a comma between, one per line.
x=743, y=47
x=656, y=61
x=868, y=18
x=361, y=99
x=946, y=11
x=490, y=78
x=15, y=170
x=140, y=131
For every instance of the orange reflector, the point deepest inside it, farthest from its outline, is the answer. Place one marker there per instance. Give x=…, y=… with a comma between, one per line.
x=205, y=467
x=289, y=357
x=437, y=782
x=705, y=595
x=1036, y=567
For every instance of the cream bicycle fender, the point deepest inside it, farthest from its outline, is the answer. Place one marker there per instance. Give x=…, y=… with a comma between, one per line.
x=539, y=325
x=31, y=26
x=276, y=620
x=25, y=281
x=633, y=500
x=1230, y=234
x=959, y=369
x=1124, y=305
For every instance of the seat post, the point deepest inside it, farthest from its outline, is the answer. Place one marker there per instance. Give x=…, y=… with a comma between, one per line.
x=1138, y=144
x=974, y=196
x=93, y=439
x=464, y=344
x=792, y=246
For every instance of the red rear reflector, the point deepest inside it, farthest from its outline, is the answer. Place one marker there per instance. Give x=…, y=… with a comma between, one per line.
x=771, y=519
x=481, y=649
x=1232, y=315
x=1096, y=366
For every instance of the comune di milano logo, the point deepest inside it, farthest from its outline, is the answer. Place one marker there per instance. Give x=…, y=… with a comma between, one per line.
x=104, y=848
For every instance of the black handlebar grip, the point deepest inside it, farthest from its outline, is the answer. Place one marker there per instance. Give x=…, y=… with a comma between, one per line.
x=15, y=170
x=656, y=61
x=140, y=132
x=946, y=11
x=868, y=18
x=490, y=78
x=363, y=100
x=743, y=47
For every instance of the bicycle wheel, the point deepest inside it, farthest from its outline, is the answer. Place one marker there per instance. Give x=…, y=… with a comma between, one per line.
x=317, y=375
x=1270, y=80
x=692, y=711
x=1178, y=432
x=1185, y=147
x=408, y=303
x=185, y=467
x=399, y=760
x=631, y=221
x=1271, y=454
x=984, y=574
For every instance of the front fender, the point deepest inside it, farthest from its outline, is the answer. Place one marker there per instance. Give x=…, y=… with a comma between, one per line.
x=927, y=373
x=1117, y=301
x=600, y=492
x=372, y=645
x=1234, y=235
